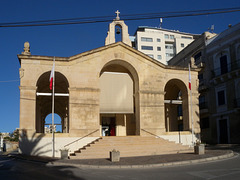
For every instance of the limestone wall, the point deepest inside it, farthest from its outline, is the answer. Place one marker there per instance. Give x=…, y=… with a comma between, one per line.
x=82, y=73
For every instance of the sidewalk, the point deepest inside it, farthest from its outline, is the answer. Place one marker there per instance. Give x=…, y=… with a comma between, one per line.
x=148, y=161
x=212, y=153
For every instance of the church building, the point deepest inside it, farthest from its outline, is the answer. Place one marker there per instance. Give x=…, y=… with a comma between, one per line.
x=114, y=90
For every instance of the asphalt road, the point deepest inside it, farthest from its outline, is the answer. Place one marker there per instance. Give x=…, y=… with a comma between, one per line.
x=11, y=168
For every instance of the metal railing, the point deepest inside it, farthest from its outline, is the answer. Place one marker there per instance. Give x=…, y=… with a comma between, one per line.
x=149, y=133
x=226, y=69
x=81, y=138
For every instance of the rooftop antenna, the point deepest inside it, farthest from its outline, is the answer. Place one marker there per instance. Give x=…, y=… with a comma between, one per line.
x=212, y=28
x=160, y=26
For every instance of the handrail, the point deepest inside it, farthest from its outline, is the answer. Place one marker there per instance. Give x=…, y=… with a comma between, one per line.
x=81, y=138
x=150, y=133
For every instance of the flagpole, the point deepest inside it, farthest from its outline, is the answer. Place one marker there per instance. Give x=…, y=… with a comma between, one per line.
x=53, y=143
x=190, y=88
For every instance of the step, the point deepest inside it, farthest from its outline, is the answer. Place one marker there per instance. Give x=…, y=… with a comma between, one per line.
x=107, y=155
x=128, y=146
x=133, y=152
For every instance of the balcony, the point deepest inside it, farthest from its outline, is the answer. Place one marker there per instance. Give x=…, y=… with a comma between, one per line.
x=226, y=73
x=231, y=67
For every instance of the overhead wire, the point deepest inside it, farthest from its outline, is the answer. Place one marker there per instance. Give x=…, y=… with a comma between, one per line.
x=127, y=17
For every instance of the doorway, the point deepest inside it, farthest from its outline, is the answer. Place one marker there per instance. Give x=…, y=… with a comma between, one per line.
x=108, y=125
x=223, y=136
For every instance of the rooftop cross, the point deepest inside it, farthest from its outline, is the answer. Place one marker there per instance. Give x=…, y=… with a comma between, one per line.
x=117, y=12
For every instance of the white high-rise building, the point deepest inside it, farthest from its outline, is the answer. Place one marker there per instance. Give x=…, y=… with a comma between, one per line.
x=161, y=44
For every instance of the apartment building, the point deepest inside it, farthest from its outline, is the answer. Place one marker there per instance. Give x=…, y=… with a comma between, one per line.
x=161, y=44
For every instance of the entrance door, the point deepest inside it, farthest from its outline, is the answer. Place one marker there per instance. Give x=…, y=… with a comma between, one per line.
x=223, y=131
x=108, y=126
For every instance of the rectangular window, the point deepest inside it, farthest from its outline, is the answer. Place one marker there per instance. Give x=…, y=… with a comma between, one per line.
x=221, y=97
x=182, y=45
x=171, y=36
x=169, y=46
x=166, y=36
x=145, y=39
x=169, y=54
x=147, y=48
x=159, y=48
x=186, y=37
x=223, y=64
x=159, y=57
x=158, y=40
x=202, y=102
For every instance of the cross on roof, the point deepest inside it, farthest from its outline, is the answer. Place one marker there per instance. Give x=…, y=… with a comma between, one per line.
x=117, y=12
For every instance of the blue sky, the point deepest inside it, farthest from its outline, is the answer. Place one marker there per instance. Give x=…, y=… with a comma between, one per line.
x=74, y=39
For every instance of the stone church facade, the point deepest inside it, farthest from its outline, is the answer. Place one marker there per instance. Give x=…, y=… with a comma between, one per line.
x=113, y=90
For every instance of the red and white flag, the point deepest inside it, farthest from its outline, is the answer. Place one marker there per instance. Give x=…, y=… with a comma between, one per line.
x=51, y=77
x=189, y=82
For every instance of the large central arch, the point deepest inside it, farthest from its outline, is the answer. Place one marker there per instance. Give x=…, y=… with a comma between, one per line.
x=119, y=112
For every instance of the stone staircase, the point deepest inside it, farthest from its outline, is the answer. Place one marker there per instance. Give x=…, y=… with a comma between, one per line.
x=129, y=146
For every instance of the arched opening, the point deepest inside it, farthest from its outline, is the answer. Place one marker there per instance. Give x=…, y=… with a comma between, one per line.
x=118, y=33
x=58, y=125
x=176, y=106
x=44, y=102
x=119, y=111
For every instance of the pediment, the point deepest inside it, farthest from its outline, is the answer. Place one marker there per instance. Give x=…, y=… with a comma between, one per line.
x=118, y=49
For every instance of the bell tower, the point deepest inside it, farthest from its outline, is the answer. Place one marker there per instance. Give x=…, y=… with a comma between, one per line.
x=111, y=31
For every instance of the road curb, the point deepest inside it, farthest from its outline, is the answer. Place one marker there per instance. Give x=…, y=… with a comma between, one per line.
x=178, y=163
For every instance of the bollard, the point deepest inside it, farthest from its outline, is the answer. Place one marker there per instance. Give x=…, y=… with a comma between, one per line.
x=199, y=149
x=114, y=156
x=64, y=153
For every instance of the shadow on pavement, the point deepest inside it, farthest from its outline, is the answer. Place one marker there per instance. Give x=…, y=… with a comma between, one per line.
x=18, y=166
